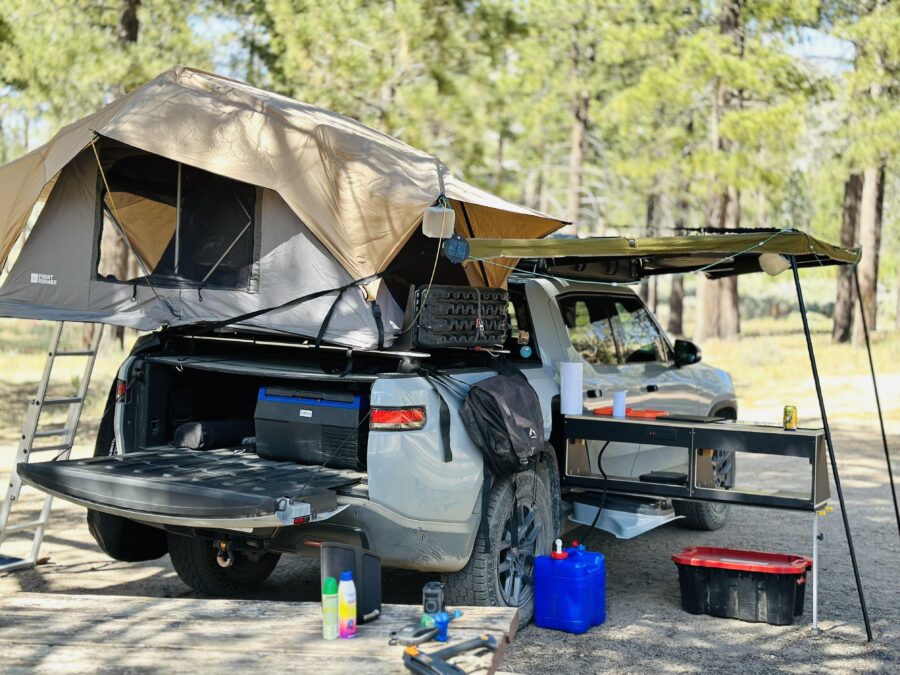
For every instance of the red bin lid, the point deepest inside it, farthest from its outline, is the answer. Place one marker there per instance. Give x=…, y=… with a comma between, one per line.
x=745, y=561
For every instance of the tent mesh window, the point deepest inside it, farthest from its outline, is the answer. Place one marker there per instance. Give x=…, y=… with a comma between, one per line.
x=185, y=227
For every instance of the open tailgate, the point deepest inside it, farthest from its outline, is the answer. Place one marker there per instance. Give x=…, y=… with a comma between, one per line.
x=196, y=487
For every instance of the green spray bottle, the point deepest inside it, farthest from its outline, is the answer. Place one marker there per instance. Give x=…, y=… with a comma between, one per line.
x=330, y=622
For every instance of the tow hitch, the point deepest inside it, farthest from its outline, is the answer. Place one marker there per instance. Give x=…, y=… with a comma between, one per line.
x=224, y=552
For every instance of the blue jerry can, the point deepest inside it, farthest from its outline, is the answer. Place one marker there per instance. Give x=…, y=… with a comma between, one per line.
x=569, y=589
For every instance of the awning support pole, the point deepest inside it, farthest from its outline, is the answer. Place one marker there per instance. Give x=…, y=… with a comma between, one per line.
x=829, y=442
x=887, y=454
x=815, y=573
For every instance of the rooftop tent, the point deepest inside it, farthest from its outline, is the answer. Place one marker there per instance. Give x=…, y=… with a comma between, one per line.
x=232, y=200
x=629, y=259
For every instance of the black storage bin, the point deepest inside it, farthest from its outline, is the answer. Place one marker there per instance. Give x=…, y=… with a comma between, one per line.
x=745, y=585
x=312, y=427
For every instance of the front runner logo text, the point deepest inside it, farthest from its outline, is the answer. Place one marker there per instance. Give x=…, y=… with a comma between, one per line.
x=46, y=279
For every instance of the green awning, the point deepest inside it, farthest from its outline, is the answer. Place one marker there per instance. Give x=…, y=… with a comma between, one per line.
x=622, y=258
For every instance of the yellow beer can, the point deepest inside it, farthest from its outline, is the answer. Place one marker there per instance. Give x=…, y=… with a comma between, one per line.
x=790, y=418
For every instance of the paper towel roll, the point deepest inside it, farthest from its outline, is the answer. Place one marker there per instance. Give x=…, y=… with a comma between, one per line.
x=571, y=386
x=619, y=403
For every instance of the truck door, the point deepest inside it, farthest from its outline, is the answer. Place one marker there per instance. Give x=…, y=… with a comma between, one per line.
x=654, y=382
x=588, y=320
x=647, y=362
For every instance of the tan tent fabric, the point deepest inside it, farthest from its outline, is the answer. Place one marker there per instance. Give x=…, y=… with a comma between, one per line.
x=489, y=222
x=360, y=192
x=57, y=275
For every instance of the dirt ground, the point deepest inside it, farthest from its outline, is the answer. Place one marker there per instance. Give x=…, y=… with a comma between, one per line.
x=646, y=630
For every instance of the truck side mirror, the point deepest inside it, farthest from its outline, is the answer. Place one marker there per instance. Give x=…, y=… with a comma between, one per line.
x=686, y=353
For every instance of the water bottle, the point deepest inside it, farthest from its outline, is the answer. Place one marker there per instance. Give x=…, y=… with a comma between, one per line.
x=347, y=605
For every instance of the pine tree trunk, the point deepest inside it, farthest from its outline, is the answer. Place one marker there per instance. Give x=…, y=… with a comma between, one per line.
x=718, y=314
x=897, y=308
x=708, y=294
x=845, y=302
x=730, y=312
x=676, y=293
x=580, y=110
x=115, y=250
x=497, y=179
x=648, y=285
x=707, y=305
x=869, y=240
x=544, y=191
x=676, y=306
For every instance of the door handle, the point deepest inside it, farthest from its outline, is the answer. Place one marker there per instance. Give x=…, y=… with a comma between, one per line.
x=652, y=387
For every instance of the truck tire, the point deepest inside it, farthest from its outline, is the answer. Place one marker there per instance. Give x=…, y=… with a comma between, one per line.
x=703, y=516
x=709, y=516
x=548, y=470
x=194, y=559
x=501, y=577
x=120, y=538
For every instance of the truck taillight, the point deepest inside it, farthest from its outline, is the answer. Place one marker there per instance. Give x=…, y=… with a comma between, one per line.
x=121, y=387
x=397, y=419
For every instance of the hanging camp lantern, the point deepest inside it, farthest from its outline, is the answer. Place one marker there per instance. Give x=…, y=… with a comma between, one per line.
x=439, y=220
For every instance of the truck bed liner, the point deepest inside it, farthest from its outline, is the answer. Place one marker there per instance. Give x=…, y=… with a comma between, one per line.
x=191, y=483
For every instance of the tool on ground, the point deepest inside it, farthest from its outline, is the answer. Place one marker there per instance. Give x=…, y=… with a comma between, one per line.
x=412, y=634
x=435, y=663
x=64, y=439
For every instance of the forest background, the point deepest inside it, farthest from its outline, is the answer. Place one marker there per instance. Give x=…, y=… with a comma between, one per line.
x=625, y=117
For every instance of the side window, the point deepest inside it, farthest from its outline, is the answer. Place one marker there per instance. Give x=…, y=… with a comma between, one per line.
x=589, y=324
x=521, y=340
x=640, y=339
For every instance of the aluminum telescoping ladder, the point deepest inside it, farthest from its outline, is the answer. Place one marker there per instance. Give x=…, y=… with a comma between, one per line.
x=35, y=440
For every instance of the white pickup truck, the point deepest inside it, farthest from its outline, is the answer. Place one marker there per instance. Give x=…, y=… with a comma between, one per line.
x=403, y=496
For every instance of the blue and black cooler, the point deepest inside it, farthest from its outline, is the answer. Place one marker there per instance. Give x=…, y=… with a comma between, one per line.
x=312, y=427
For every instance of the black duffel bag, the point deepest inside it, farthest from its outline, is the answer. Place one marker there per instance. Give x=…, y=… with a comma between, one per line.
x=209, y=434
x=502, y=415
